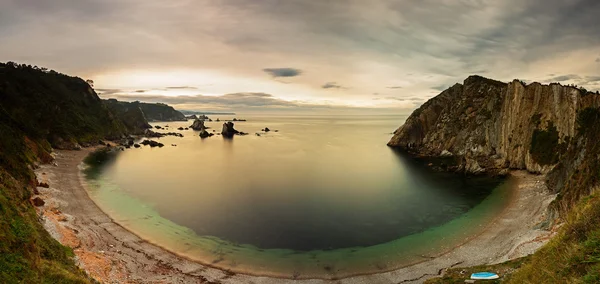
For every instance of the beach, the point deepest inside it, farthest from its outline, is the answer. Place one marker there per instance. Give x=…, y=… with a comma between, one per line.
x=110, y=253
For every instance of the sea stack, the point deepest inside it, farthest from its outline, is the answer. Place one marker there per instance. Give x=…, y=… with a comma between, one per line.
x=228, y=130
x=198, y=125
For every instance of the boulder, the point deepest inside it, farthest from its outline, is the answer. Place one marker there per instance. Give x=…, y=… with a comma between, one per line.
x=266, y=129
x=205, y=134
x=157, y=127
x=136, y=145
x=152, y=143
x=180, y=128
x=37, y=202
x=43, y=184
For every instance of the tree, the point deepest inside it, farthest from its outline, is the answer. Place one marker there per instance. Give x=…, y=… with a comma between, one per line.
x=90, y=82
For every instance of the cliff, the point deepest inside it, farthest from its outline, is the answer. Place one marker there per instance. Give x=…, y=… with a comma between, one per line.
x=130, y=114
x=55, y=107
x=160, y=112
x=490, y=126
x=486, y=126
x=39, y=110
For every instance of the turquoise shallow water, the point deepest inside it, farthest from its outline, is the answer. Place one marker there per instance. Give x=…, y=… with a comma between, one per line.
x=323, y=197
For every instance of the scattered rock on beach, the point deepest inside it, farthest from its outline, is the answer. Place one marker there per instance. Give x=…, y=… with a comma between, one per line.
x=37, y=202
x=43, y=184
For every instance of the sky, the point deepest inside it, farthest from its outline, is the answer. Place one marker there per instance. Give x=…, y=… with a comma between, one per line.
x=302, y=55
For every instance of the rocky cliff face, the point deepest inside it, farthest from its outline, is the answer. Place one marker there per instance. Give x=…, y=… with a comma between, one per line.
x=493, y=125
x=490, y=126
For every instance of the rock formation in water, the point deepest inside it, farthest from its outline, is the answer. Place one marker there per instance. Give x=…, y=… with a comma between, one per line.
x=490, y=126
x=205, y=134
x=198, y=125
x=228, y=130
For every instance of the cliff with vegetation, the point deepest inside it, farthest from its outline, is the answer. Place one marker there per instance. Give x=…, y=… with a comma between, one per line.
x=130, y=114
x=487, y=126
x=150, y=111
x=160, y=112
x=41, y=110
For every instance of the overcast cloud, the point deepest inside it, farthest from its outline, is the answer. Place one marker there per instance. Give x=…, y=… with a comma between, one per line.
x=393, y=48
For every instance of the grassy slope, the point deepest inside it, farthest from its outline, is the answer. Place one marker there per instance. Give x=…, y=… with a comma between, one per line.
x=39, y=110
x=573, y=256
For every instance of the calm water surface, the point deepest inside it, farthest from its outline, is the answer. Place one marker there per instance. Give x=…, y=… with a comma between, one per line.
x=322, y=197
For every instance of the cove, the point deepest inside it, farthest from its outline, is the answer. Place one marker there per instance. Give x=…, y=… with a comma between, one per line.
x=321, y=198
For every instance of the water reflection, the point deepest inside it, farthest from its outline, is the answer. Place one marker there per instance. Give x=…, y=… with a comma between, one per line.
x=320, y=187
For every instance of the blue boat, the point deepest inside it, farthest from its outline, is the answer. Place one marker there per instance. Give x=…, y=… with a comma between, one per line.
x=484, y=276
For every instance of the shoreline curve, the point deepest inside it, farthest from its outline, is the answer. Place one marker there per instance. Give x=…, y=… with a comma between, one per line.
x=110, y=252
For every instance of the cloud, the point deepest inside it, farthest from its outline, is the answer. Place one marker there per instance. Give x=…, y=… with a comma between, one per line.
x=181, y=88
x=394, y=87
x=564, y=78
x=232, y=100
x=412, y=99
x=368, y=43
x=331, y=85
x=109, y=91
x=283, y=72
x=440, y=87
x=140, y=91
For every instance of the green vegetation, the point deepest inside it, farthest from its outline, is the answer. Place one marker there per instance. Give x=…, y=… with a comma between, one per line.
x=131, y=115
x=160, y=112
x=544, y=145
x=47, y=105
x=40, y=109
x=28, y=254
x=587, y=118
x=574, y=255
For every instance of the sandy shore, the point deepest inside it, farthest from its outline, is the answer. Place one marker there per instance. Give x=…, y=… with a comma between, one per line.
x=112, y=254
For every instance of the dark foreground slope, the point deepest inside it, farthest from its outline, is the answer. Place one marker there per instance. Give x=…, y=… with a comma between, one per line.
x=40, y=109
x=486, y=126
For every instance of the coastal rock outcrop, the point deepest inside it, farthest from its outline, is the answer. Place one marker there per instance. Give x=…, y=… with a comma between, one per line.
x=487, y=126
x=496, y=125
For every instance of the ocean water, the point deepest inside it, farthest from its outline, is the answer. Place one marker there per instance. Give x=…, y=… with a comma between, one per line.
x=323, y=197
